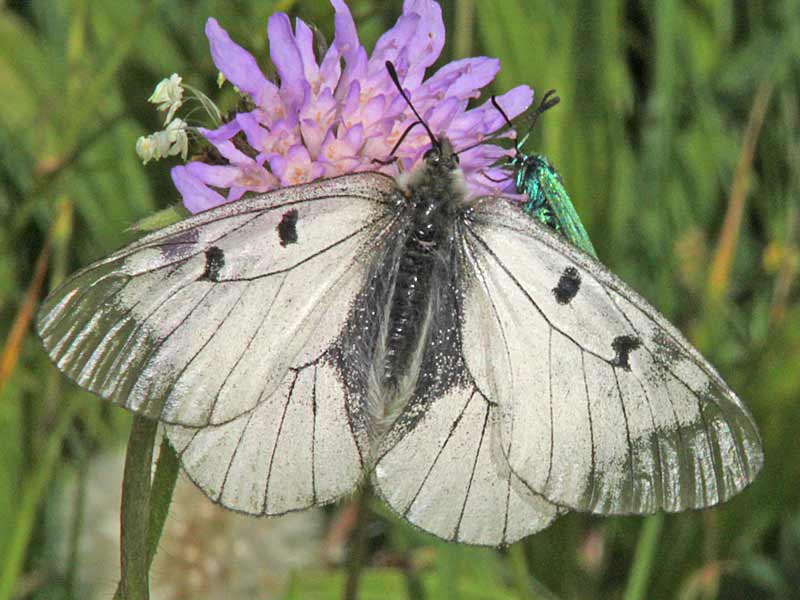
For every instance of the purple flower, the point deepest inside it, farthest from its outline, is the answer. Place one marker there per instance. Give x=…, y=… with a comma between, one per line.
x=342, y=113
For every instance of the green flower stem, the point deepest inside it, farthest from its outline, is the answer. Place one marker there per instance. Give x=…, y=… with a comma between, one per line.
x=358, y=544
x=135, y=512
x=643, y=559
x=161, y=495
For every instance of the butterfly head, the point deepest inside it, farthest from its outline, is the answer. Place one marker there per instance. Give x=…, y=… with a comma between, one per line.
x=441, y=155
x=440, y=172
x=438, y=177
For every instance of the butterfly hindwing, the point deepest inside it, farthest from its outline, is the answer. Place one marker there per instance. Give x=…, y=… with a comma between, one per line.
x=603, y=404
x=294, y=450
x=225, y=326
x=448, y=476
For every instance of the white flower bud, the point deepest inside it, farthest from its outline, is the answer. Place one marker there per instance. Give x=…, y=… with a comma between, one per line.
x=145, y=148
x=169, y=142
x=178, y=137
x=168, y=95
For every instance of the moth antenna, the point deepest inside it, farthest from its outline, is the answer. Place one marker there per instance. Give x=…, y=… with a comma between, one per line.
x=495, y=135
x=492, y=179
x=549, y=100
x=396, y=81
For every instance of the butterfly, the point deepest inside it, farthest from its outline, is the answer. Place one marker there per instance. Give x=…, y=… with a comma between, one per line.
x=481, y=371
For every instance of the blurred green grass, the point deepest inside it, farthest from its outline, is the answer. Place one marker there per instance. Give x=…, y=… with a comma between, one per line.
x=665, y=105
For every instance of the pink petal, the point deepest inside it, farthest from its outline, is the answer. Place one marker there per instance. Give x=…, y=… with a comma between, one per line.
x=197, y=196
x=252, y=128
x=287, y=59
x=224, y=145
x=355, y=71
x=346, y=38
x=313, y=135
x=214, y=175
x=441, y=116
x=305, y=46
x=428, y=41
x=236, y=192
x=222, y=133
x=487, y=119
x=462, y=78
x=238, y=65
x=516, y=100
x=355, y=136
x=390, y=43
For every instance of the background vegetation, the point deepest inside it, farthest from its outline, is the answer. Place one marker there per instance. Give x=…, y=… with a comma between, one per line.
x=678, y=139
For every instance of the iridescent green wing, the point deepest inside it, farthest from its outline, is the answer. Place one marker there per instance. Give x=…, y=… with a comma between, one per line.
x=548, y=201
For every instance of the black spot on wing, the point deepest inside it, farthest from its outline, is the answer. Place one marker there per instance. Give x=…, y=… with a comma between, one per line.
x=178, y=245
x=665, y=351
x=623, y=345
x=215, y=260
x=287, y=228
x=568, y=286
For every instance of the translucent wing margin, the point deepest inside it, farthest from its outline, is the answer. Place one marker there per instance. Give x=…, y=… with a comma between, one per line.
x=604, y=406
x=224, y=326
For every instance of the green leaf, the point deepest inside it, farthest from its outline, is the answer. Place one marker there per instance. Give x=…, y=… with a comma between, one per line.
x=376, y=584
x=161, y=218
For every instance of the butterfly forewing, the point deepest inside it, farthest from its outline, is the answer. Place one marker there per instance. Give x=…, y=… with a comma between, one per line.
x=226, y=326
x=604, y=406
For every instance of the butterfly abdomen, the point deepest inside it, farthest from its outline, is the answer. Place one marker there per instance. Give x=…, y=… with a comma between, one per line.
x=433, y=201
x=408, y=306
x=410, y=302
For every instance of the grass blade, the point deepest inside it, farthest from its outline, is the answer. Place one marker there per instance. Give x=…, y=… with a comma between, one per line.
x=639, y=575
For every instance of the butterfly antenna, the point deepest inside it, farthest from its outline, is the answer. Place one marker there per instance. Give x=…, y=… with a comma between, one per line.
x=496, y=104
x=499, y=108
x=392, y=157
x=476, y=144
x=396, y=81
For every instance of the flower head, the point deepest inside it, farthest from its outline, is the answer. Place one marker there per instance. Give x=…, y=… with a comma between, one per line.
x=341, y=113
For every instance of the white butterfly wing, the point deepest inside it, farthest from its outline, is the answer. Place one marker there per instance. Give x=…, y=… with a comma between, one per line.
x=440, y=465
x=224, y=326
x=294, y=450
x=604, y=406
x=449, y=477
